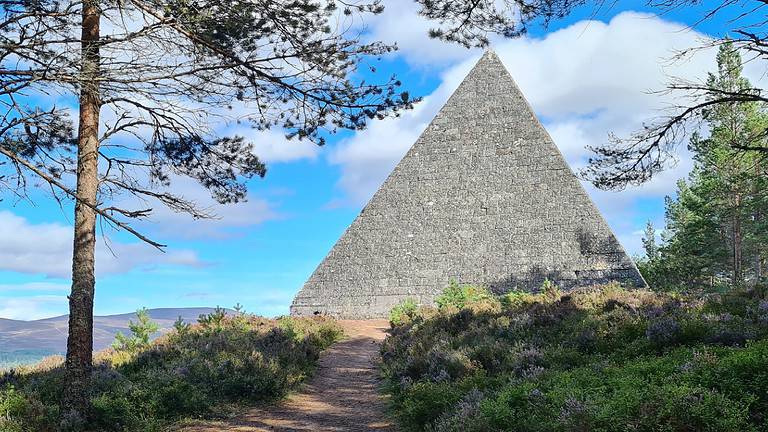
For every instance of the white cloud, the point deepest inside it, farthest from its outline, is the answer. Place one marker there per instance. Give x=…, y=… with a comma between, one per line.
x=401, y=24
x=33, y=307
x=46, y=249
x=228, y=219
x=584, y=81
x=34, y=287
x=273, y=147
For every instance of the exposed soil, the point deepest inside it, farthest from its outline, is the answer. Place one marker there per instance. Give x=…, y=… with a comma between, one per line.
x=341, y=396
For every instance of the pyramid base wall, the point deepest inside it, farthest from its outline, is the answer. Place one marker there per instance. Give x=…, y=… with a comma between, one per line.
x=342, y=306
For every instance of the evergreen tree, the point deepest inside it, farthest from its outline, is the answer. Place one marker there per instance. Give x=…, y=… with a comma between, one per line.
x=717, y=232
x=141, y=333
x=149, y=78
x=649, y=242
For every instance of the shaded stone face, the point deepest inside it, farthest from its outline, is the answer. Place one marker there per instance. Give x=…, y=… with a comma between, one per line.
x=484, y=197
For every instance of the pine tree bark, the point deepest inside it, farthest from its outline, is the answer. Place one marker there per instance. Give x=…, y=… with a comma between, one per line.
x=758, y=218
x=738, y=276
x=76, y=400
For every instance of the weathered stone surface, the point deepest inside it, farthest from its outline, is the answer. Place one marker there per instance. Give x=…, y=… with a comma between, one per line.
x=483, y=196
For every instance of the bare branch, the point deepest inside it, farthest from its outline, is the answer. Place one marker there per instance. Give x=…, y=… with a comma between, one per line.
x=72, y=194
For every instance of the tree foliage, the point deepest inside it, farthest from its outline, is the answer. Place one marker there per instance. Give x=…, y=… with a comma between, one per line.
x=716, y=232
x=141, y=333
x=649, y=242
x=471, y=23
x=167, y=72
x=639, y=157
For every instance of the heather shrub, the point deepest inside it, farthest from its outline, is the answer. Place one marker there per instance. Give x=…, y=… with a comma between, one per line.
x=517, y=299
x=549, y=290
x=426, y=401
x=192, y=371
x=404, y=313
x=663, y=332
x=462, y=296
x=602, y=359
x=461, y=417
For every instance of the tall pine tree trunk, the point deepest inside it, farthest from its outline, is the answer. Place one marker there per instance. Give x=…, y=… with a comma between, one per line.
x=76, y=401
x=758, y=218
x=738, y=275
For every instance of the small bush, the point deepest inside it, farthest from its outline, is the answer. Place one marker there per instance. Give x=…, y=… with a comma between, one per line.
x=141, y=332
x=663, y=332
x=517, y=299
x=463, y=416
x=549, y=290
x=403, y=313
x=461, y=296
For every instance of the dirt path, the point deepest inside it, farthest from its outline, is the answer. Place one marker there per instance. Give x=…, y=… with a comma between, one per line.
x=342, y=396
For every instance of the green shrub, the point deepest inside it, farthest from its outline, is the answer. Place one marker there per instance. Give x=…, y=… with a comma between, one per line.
x=13, y=408
x=189, y=372
x=605, y=359
x=549, y=290
x=517, y=299
x=425, y=401
x=461, y=296
x=12, y=403
x=141, y=332
x=403, y=313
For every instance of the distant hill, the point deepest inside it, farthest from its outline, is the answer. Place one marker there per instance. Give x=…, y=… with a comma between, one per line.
x=23, y=342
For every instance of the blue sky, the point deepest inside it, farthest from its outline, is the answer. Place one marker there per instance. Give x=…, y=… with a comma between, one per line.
x=584, y=78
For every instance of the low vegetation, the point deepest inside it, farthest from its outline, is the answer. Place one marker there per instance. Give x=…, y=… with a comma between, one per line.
x=16, y=358
x=191, y=372
x=605, y=359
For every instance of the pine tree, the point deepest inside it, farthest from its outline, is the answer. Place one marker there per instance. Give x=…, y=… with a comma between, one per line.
x=150, y=78
x=716, y=225
x=649, y=242
x=141, y=333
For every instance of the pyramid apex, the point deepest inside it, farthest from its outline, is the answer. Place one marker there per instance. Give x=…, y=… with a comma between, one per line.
x=489, y=54
x=490, y=61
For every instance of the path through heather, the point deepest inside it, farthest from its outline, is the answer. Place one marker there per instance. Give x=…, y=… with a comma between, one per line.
x=342, y=395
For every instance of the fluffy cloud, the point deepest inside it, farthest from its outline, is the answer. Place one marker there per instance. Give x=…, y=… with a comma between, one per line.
x=584, y=81
x=401, y=24
x=34, y=287
x=226, y=221
x=273, y=147
x=47, y=249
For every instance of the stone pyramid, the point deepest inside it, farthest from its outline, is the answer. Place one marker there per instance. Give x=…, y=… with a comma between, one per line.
x=484, y=196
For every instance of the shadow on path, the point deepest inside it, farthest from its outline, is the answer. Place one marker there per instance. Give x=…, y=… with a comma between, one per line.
x=341, y=396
